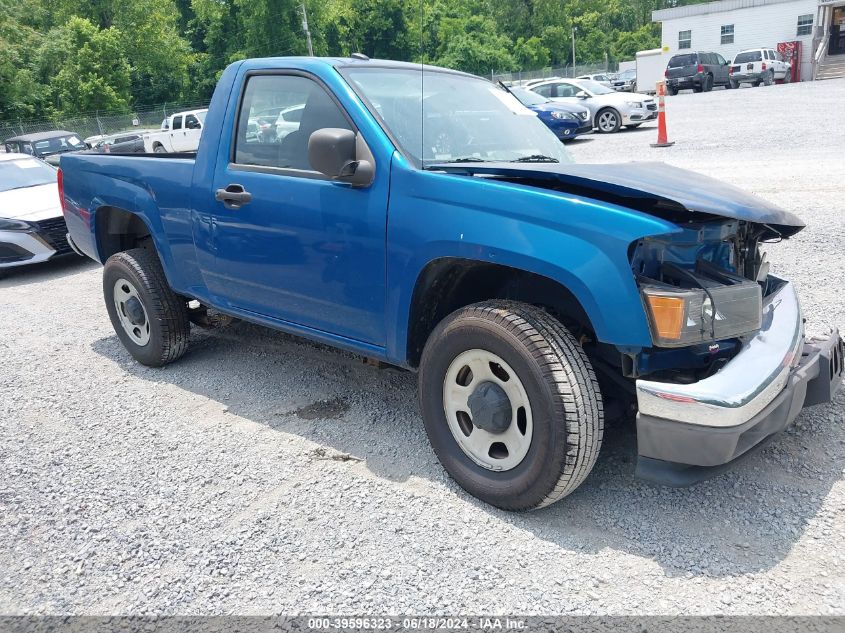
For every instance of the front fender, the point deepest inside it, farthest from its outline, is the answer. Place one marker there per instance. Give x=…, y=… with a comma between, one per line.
x=580, y=243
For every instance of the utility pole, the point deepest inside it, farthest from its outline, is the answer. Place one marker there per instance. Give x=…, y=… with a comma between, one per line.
x=573, y=51
x=307, y=32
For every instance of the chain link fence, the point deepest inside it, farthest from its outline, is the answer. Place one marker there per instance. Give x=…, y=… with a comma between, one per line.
x=560, y=71
x=96, y=123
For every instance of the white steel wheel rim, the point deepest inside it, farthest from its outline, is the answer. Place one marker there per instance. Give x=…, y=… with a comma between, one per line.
x=468, y=370
x=607, y=121
x=138, y=332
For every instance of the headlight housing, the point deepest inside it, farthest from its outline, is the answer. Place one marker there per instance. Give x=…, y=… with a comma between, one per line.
x=634, y=104
x=685, y=316
x=14, y=225
x=563, y=116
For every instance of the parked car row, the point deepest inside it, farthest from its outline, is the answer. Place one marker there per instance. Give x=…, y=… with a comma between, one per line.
x=702, y=70
x=610, y=109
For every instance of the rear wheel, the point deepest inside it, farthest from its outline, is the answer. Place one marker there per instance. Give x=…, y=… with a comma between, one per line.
x=608, y=121
x=148, y=317
x=159, y=149
x=733, y=84
x=671, y=91
x=511, y=404
x=707, y=86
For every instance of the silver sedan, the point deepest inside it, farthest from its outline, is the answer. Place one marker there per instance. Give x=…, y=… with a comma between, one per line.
x=610, y=109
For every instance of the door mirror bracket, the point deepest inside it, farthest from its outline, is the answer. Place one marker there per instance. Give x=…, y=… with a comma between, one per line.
x=341, y=155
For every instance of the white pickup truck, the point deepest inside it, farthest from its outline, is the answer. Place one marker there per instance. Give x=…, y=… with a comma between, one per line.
x=179, y=132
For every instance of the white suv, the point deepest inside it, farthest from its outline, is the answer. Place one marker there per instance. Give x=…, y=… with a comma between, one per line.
x=759, y=65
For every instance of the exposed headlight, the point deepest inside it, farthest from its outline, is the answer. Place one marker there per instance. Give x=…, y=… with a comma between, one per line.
x=562, y=116
x=14, y=225
x=635, y=104
x=685, y=316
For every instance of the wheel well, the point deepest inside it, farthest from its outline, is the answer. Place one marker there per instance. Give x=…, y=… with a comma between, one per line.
x=119, y=230
x=448, y=284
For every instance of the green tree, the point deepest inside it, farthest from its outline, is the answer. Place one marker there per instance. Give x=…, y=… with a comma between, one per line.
x=93, y=71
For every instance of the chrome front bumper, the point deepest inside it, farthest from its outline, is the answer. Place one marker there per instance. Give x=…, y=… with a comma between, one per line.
x=748, y=383
x=689, y=432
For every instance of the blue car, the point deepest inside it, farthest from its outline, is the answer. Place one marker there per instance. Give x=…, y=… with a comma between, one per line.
x=565, y=120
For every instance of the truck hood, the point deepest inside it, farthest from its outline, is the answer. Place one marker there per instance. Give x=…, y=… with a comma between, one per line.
x=658, y=189
x=32, y=204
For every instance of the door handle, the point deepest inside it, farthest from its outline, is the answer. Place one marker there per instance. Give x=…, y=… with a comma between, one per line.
x=233, y=196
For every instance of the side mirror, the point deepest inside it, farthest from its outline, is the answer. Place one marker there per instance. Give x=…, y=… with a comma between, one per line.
x=341, y=155
x=193, y=125
x=582, y=95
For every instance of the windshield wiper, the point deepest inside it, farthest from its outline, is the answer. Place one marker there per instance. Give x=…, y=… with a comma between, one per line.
x=535, y=158
x=464, y=159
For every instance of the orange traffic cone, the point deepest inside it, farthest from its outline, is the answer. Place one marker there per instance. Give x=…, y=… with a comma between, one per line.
x=662, y=137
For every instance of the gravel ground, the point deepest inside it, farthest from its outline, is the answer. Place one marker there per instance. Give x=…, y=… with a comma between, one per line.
x=264, y=474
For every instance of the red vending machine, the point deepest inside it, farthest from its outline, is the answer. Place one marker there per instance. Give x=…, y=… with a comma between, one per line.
x=791, y=52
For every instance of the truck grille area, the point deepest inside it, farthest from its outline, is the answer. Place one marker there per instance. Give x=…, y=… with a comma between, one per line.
x=54, y=231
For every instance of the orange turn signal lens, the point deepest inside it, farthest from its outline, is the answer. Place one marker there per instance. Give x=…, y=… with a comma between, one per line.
x=668, y=315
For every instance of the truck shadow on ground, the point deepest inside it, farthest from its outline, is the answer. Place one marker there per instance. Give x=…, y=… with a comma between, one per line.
x=741, y=522
x=49, y=270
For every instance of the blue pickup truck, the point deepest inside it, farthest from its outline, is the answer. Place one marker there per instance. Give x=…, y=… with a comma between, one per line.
x=426, y=219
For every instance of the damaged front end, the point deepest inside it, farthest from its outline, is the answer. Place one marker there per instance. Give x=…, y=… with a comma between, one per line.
x=729, y=366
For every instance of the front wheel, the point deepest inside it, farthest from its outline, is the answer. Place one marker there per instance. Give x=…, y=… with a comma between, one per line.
x=159, y=149
x=769, y=78
x=148, y=317
x=608, y=121
x=511, y=404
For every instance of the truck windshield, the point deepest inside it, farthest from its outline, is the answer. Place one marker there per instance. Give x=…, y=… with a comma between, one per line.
x=442, y=117
x=25, y=172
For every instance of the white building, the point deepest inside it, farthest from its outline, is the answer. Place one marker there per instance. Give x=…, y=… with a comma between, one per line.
x=729, y=26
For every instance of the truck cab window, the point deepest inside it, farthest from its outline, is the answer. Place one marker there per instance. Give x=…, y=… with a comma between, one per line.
x=277, y=117
x=192, y=122
x=177, y=122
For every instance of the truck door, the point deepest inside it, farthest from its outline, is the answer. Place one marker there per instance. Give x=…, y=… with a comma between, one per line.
x=303, y=249
x=175, y=132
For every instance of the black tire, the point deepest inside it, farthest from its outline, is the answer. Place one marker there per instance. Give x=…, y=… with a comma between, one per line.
x=769, y=78
x=564, y=397
x=787, y=78
x=698, y=87
x=633, y=126
x=165, y=311
x=159, y=149
x=613, y=118
x=707, y=86
x=671, y=91
x=733, y=84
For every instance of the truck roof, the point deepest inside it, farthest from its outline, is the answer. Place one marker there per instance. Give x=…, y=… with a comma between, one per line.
x=343, y=62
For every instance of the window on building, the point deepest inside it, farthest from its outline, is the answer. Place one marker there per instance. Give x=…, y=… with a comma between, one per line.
x=685, y=39
x=805, y=24
x=727, y=34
